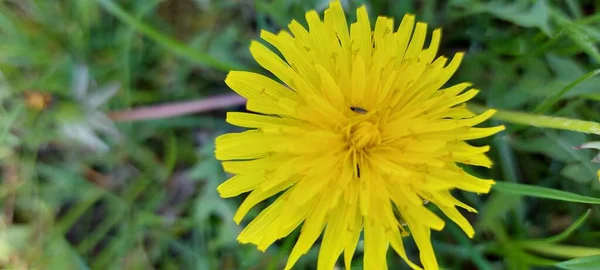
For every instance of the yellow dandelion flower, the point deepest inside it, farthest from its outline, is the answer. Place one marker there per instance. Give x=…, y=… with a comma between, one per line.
x=355, y=138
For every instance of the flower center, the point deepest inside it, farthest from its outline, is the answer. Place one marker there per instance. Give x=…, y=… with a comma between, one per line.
x=364, y=134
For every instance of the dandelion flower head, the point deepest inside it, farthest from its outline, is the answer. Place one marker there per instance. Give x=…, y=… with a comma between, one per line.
x=353, y=138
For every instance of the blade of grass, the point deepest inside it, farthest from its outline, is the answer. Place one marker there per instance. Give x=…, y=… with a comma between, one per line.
x=570, y=230
x=584, y=263
x=88, y=197
x=542, y=121
x=560, y=251
x=510, y=172
x=9, y=120
x=65, y=223
x=126, y=51
x=165, y=41
x=475, y=255
x=285, y=249
x=560, y=142
x=117, y=214
x=542, y=192
x=550, y=101
x=578, y=36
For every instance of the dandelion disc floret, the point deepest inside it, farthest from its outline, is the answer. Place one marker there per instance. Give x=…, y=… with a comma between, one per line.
x=355, y=135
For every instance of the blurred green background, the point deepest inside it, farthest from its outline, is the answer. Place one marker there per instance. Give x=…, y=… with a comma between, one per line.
x=85, y=188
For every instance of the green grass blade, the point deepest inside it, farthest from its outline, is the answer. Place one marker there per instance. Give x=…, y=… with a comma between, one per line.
x=165, y=41
x=8, y=121
x=559, y=251
x=475, y=255
x=542, y=192
x=542, y=121
x=585, y=263
x=567, y=232
x=550, y=101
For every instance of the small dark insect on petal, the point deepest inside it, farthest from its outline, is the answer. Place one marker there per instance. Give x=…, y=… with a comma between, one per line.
x=357, y=171
x=358, y=110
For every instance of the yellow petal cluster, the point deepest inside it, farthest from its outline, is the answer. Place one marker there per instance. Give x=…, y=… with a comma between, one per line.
x=354, y=137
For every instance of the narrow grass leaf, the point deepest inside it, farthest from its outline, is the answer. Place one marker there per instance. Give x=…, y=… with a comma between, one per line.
x=165, y=41
x=570, y=230
x=543, y=192
x=550, y=101
x=559, y=251
x=543, y=121
x=584, y=263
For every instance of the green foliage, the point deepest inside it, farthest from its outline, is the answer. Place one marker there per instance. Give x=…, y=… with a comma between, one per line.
x=81, y=190
x=583, y=263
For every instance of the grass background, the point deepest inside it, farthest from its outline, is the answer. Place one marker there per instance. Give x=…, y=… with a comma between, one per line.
x=81, y=190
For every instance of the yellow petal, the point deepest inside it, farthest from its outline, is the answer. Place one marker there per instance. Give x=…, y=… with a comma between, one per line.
x=417, y=41
x=422, y=237
x=271, y=62
x=396, y=242
x=312, y=228
x=476, y=133
x=383, y=26
x=259, y=195
x=284, y=42
x=250, y=120
x=359, y=82
x=360, y=32
x=428, y=55
x=405, y=31
x=255, y=86
x=376, y=245
x=354, y=222
x=239, y=184
x=451, y=212
x=333, y=241
x=255, y=144
x=335, y=19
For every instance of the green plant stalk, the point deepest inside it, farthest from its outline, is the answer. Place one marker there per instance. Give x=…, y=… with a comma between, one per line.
x=559, y=251
x=9, y=120
x=119, y=212
x=570, y=29
x=570, y=230
x=74, y=213
x=542, y=192
x=510, y=172
x=569, y=148
x=165, y=41
x=550, y=101
x=476, y=257
x=542, y=121
x=581, y=263
x=285, y=249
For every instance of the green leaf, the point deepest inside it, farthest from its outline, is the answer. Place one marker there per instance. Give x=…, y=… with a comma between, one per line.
x=496, y=208
x=559, y=251
x=165, y=41
x=542, y=120
x=565, y=67
x=588, y=170
x=589, y=145
x=551, y=146
x=568, y=231
x=577, y=173
x=551, y=100
x=585, y=263
x=542, y=192
x=586, y=40
x=536, y=16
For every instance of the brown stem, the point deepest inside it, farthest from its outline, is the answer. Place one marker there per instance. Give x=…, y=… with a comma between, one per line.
x=179, y=108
